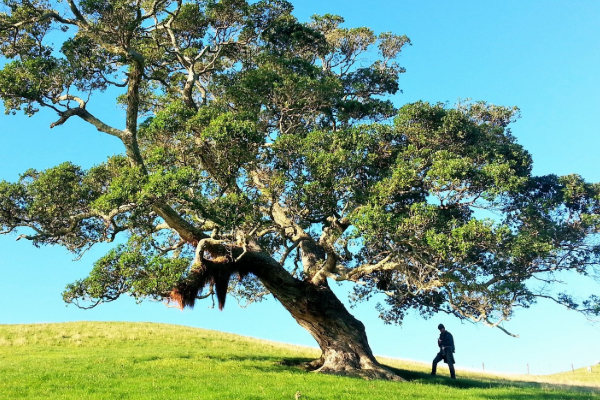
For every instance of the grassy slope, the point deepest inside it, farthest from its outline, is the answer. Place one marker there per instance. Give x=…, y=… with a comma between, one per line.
x=92, y=360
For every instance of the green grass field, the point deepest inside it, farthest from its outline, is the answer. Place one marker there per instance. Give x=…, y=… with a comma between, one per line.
x=93, y=360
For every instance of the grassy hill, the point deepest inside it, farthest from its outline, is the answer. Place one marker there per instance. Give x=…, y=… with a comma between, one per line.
x=94, y=360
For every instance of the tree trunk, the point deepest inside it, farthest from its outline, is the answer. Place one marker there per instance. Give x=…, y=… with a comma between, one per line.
x=341, y=337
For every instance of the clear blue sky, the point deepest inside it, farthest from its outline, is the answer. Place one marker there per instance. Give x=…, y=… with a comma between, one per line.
x=540, y=55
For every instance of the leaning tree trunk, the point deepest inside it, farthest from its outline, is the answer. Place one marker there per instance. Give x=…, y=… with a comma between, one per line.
x=341, y=337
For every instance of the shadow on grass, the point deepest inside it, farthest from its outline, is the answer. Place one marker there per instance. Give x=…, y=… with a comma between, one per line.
x=274, y=364
x=572, y=392
x=226, y=358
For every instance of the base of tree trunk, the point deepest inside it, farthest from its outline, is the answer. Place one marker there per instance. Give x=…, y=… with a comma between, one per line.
x=369, y=370
x=367, y=374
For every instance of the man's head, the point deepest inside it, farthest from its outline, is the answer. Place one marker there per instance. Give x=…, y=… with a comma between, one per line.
x=441, y=327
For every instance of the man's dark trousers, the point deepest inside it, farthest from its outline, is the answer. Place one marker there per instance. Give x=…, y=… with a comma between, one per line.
x=436, y=360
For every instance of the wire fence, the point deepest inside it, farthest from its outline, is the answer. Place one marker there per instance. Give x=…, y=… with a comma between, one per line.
x=535, y=368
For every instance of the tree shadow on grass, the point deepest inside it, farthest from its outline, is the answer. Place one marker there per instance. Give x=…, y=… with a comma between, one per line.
x=225, y=358
x=275, y=360
x=273, y=364
x=299, y=362
x=571, y=392
x=267, y=364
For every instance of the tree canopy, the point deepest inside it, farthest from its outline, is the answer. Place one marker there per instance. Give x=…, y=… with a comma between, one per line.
x=265, y=148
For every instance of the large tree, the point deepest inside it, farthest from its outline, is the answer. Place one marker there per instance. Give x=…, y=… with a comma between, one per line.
x=262, y=148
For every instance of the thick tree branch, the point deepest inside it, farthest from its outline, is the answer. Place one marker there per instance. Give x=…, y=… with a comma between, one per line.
x=288, y=250
x=156, y=4
x=135, y=76
x=45, y=15
x=487, y=322
x=327, y=241
x=355, y=274
x=185, y=229
x=86, y=116
x=79, y=17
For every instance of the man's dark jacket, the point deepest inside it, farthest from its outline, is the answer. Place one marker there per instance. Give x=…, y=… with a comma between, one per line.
x=447, y=347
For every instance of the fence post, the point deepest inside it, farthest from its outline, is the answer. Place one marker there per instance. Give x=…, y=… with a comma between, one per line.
x=573, y=369
x=527, y=369
x=483, y=366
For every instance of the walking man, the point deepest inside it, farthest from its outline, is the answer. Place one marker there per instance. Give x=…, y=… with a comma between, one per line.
x=446, y=344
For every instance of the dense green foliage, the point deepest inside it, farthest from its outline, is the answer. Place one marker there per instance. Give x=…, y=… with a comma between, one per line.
x=251, y=135
x=152, y=361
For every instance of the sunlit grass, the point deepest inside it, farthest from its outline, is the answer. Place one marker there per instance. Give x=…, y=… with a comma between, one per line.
x=90, y=360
